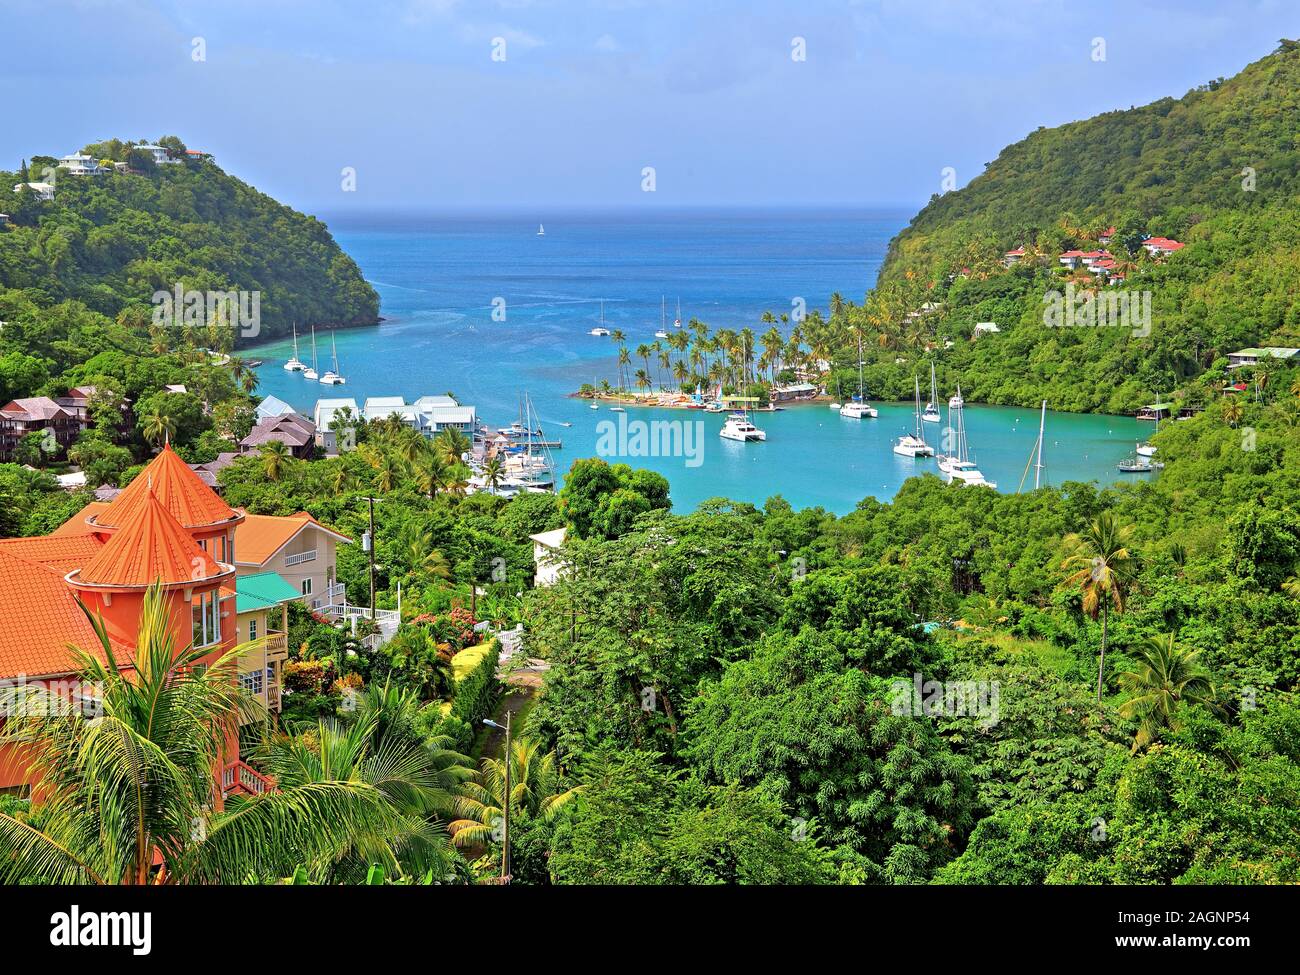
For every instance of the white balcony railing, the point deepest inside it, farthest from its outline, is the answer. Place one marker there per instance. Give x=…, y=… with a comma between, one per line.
x=335, y=595
x=298, y=558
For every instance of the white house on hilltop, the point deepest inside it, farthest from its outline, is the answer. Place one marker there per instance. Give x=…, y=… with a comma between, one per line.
x=43, y=191
x=160, y=156
x=545, y=558
x=79, y=164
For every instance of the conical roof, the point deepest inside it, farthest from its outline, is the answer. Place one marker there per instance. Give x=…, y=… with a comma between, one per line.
x=191, y=502
x=151, y=546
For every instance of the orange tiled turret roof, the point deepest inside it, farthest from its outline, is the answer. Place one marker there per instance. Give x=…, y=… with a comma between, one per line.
x=51, y=622
x=152, y=546
x=181, y=491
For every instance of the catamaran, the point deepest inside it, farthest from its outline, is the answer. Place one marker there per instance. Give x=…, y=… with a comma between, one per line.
x=312, y=373
x=738, y=427
x=958, y=466
x=931, y=413
x=913, y=444
x=858, y=407
x=294, y=364
x=333, y=377
x=601, y=329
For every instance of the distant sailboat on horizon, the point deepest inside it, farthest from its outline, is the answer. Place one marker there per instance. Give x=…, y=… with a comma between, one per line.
x=541, y=231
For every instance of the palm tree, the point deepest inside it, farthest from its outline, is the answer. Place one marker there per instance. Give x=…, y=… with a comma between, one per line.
x=1233, y=411
x=453, y=444
x=340, y=478
x=381, y=751
x=536, y=789
x=1102, y=567
x=126, y=798
x=431, y=476
x=159, y=426
x=1164, y=678
x=494, y=472
x=642, y=379
x=275, y=458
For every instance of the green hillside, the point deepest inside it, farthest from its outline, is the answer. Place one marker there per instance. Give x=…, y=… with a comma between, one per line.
x=111, y=241
x=1218, y=169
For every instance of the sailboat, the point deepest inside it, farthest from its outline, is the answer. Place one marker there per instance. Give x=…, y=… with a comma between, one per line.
x=663, y=318
x=858, y=407
x=1036, y=455
x=311, y=373
x=294, y=364
x=541, y=231
x=332, y=377
x=677, y=322
x=931, y=413
x=913, y=444
x=958, y=466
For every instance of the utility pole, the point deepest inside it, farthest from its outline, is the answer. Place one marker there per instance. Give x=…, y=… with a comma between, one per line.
x=371, y=547
x=505, y=833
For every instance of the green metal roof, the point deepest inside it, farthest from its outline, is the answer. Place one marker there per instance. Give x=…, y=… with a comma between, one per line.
x=262, y=590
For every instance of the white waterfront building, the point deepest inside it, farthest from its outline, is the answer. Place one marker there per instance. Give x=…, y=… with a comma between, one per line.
x=428, y=415
x=159, y=153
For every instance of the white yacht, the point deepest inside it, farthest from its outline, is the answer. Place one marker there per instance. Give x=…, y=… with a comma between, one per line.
x=312, y=373
x=739, y=428
x=661, y=334
x=294, y=364
x=333, y=377
x=931, y=412
x=913, y=444
x=858, y=407
x=958, y=466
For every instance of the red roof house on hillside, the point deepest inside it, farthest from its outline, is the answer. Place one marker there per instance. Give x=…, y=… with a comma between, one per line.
x=166, y=527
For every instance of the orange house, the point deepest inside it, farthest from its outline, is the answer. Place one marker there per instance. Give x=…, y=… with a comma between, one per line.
x=167, y=527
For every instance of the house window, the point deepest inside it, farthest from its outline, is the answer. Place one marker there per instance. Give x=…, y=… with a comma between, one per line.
x=252, y=629
x=206, y=619
x=306, y=587
x=252, y=681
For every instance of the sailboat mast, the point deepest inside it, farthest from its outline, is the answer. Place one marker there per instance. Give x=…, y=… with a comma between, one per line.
x=916, y=384
x=1038, y=466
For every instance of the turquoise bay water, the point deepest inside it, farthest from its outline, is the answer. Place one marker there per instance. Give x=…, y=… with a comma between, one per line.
x=438, y=277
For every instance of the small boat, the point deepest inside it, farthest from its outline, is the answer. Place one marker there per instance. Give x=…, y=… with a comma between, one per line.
x=541, y=231
x=913, y=444
x=294, y=364
x=740, y=429
x=661, y=334
x=1146, y=449
x=677, y=322
x=617, y=409
x=563, y=424
x=931, y=412
x=835, y=407
x=312, y=373
x=253, y=363
x=1133, y=465
x=713, y=407
x=333, y=377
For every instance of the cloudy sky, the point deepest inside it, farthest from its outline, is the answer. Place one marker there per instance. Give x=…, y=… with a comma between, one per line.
x=548, y=103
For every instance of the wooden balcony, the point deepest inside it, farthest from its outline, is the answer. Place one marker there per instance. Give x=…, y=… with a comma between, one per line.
x=277, y=646
x=237, y=778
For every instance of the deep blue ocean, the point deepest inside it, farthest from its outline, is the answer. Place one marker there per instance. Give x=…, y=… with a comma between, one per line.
x=439, y=275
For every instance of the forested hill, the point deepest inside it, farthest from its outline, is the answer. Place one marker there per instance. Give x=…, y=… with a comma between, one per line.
x=112, y=240
x=1217, y=170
